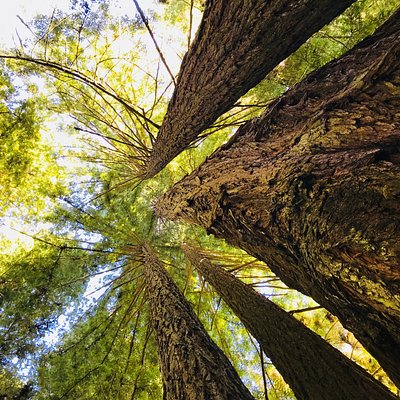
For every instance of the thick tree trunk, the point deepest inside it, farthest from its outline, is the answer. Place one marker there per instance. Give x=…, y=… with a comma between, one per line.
x=237, y=44
x=310, y=366
x=313, y=188
x=192, y=366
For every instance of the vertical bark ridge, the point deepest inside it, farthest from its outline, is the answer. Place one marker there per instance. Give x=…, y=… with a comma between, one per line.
x=311, y=367
x=312, y=188
x=237, y=44
x=192, y=366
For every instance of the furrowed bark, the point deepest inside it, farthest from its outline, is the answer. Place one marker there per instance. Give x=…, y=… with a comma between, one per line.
x=313, y=189
x=237, y=44
x=310, y=366
x=192, y=366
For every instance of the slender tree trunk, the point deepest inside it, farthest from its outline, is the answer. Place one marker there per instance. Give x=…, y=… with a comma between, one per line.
x=311, y=367
x=237, y=44
x=192, y=366
x=313, y=189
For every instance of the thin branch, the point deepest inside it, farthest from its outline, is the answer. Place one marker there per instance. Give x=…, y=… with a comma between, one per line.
x=121, y=322
x=82, y=78
x=146, y=22
x=91, y=275
x=102, y=136
x=215, y=311
x=118, y=185
x=190, y=23
x=78, y=382
x=304, y=310
x=261, y=352
x=108, y=321
x=149, y=331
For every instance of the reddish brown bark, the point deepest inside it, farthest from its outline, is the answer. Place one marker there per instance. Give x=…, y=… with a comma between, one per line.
x=309, y=365
x=313, y=188
x=192, y=366
x=237, y=44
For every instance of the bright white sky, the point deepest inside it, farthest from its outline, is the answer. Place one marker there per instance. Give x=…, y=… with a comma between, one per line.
x=27, y=9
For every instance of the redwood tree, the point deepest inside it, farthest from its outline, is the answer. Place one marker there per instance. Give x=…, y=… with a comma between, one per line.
x=192, y=366
x=237, y=44
x=310, y=366
x=312, y=188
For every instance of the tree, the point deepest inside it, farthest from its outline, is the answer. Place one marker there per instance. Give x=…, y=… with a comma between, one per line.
x=192, y=366
x=311, y=188
x=311, y=367
x=256, y=37
x=116, y=98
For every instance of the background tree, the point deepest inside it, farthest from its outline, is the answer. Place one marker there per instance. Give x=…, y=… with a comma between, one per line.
x=322, y=373
x=192, y=366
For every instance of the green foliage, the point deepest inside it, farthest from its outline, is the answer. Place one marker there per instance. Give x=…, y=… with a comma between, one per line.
x=35, y=291
x=19, y=140
x=19, y=134
x=108, y=356
x=30, y=173
x=11, y=387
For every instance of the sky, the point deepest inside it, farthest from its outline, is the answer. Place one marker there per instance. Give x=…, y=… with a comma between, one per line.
x=27, y=9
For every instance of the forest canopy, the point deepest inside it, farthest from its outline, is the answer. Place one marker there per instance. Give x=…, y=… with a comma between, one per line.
x=201, y=200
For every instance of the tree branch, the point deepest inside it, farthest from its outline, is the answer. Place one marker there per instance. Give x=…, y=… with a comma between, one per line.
x=146, y=22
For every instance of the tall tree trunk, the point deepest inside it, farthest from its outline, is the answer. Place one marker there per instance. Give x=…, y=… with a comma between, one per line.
x=192, y=366
x=313, y=189
x=237, y=44
x=310, y=366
